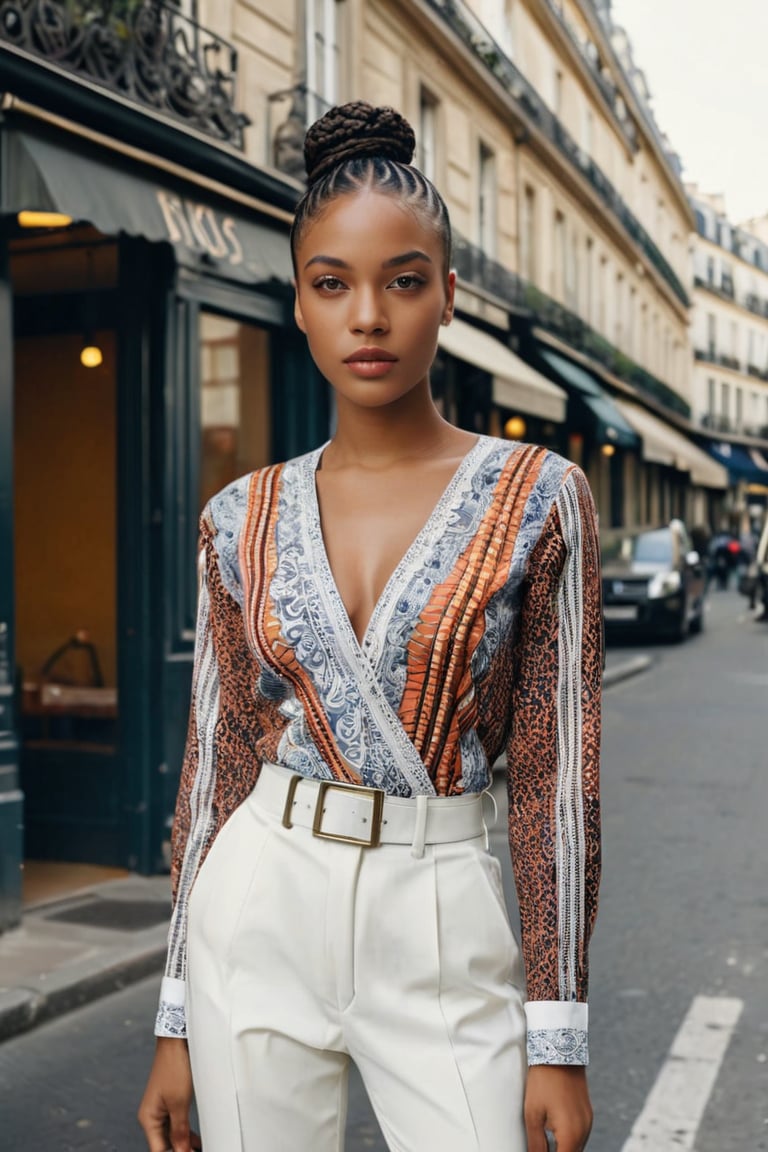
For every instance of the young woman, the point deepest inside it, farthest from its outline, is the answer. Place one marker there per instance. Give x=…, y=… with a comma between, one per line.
x=379, y=620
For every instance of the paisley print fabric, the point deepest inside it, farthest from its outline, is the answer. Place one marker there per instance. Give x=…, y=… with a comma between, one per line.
x=487, y=640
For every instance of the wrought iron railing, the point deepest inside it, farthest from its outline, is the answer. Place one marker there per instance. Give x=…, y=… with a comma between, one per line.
x=475, y=267
x=463, y=22
x=144, y=50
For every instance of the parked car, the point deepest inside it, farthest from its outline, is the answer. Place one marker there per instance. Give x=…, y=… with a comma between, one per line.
x=653, y=581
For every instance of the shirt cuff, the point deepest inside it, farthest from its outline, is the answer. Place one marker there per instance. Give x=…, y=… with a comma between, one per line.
x=557, y=1032
x=171, y=1018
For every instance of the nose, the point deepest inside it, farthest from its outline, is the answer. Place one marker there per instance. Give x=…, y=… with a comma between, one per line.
x=367, y=313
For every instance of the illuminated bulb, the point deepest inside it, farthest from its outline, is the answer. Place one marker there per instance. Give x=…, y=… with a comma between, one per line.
x=43, y=219
x=515, y=428
x=91, y=356
x=608, y=450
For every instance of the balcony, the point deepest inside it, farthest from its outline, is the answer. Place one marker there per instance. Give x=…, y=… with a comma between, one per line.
x=476, y=268
x=460, y=18
x=142, y=50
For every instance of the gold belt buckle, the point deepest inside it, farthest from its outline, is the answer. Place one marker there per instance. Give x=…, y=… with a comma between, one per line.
x=376, y=796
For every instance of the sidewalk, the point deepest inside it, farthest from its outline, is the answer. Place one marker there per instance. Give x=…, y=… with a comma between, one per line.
x=72, y=950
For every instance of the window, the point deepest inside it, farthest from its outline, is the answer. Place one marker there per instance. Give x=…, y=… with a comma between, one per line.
x=590, y=287
x=711, y=335
x=734, y=339
x=710, y=269
x=711, y=401
x=739, y=397
x=725, y=401
x=427, y=145
x=561, y=257
x=496, y=15
x=589, y=132
x=557, y=93
x=602, y=294
x=631, y=321
x=235, y=417
x=528, y=235
x=486, y=200
x=619, y=309
x=572, y=284
x=323, y=55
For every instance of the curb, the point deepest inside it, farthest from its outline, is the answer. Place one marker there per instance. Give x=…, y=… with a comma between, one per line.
x=25, y=1008
x=628, y=668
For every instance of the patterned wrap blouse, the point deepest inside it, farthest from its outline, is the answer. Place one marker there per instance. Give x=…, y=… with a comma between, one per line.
x=486, y=639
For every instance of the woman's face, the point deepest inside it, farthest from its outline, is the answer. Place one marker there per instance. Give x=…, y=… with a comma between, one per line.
x=371, y=293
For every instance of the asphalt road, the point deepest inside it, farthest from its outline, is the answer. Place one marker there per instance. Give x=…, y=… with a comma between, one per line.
x=684, y=915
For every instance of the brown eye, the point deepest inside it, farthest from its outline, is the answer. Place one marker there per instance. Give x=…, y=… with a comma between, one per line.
x=407, y=280
x=332, y=283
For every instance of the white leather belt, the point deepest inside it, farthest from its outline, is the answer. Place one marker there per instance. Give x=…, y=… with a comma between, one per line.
x=364, y=816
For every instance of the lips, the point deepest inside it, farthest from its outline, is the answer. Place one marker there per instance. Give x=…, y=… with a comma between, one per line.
x=371, y=356
x=370, y=363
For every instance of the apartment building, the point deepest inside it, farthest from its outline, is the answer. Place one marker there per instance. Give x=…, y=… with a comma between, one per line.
x=730, y=344
x=571, y=218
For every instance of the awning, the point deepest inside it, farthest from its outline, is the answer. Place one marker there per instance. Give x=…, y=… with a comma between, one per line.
x=516, y=385
x=663, y=444
x=612, y=428
x=116, y=196
x=746, y=464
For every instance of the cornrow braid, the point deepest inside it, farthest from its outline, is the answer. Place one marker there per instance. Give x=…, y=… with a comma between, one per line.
x=355, y=147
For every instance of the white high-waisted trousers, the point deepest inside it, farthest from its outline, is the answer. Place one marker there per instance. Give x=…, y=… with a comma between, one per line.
x=305, y=952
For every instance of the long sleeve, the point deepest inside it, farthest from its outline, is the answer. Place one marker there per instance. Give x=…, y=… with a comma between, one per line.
x=553, y=773
x=220, y=763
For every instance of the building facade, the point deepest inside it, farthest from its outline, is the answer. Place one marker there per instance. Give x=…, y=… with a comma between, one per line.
x=572, y=225
x=147, y=356
x=730, y=341
x=164, y=143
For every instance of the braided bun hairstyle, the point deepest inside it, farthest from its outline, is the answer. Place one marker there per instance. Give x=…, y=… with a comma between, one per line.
x=354, y=147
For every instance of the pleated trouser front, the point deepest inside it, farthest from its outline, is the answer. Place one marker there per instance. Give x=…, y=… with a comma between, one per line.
x=305, y=952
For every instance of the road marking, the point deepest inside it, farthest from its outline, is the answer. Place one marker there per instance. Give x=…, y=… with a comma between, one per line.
x=675, y=1105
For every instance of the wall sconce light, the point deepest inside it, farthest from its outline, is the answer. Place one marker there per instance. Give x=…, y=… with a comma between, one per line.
x=608, y=450
x=515, y=428
x=91, y=355
x=32, y=219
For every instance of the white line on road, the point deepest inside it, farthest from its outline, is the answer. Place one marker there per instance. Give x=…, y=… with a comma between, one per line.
x=675, y=1105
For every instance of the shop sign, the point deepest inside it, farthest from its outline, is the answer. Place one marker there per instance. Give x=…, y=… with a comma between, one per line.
x=200, y=228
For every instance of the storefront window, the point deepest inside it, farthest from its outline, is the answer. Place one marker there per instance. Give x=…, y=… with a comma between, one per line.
x=235, y=415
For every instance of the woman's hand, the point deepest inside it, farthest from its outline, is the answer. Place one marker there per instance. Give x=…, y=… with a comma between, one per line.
x=557, y=1098
x=164, y=1110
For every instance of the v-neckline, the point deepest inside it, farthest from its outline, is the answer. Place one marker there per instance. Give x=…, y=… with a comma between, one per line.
x=322, y=560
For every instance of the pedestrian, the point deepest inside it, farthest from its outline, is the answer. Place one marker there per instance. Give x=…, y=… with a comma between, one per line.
x=380, y=620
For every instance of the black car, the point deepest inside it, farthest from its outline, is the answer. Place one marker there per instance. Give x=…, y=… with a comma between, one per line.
x=653, y=581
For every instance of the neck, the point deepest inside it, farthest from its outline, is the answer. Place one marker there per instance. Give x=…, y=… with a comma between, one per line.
x=377, y=437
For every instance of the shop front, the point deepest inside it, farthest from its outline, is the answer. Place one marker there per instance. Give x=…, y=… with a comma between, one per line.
x=147, y=356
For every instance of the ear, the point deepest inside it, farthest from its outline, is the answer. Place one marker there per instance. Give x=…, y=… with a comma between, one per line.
x=450, y=292
x=298, y=315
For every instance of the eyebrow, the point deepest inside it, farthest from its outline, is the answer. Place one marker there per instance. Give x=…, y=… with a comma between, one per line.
x=395, y=262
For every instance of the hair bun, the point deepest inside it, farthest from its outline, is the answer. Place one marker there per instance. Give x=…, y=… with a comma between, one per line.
x=354, y=131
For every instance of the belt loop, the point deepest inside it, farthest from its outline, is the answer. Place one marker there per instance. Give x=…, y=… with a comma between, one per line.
x=486, y=829
x=420, y=829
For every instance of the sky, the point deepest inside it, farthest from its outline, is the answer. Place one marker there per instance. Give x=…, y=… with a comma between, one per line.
x=706, y=64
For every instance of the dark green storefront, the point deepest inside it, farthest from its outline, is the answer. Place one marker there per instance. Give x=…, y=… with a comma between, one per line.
x=185, y=289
